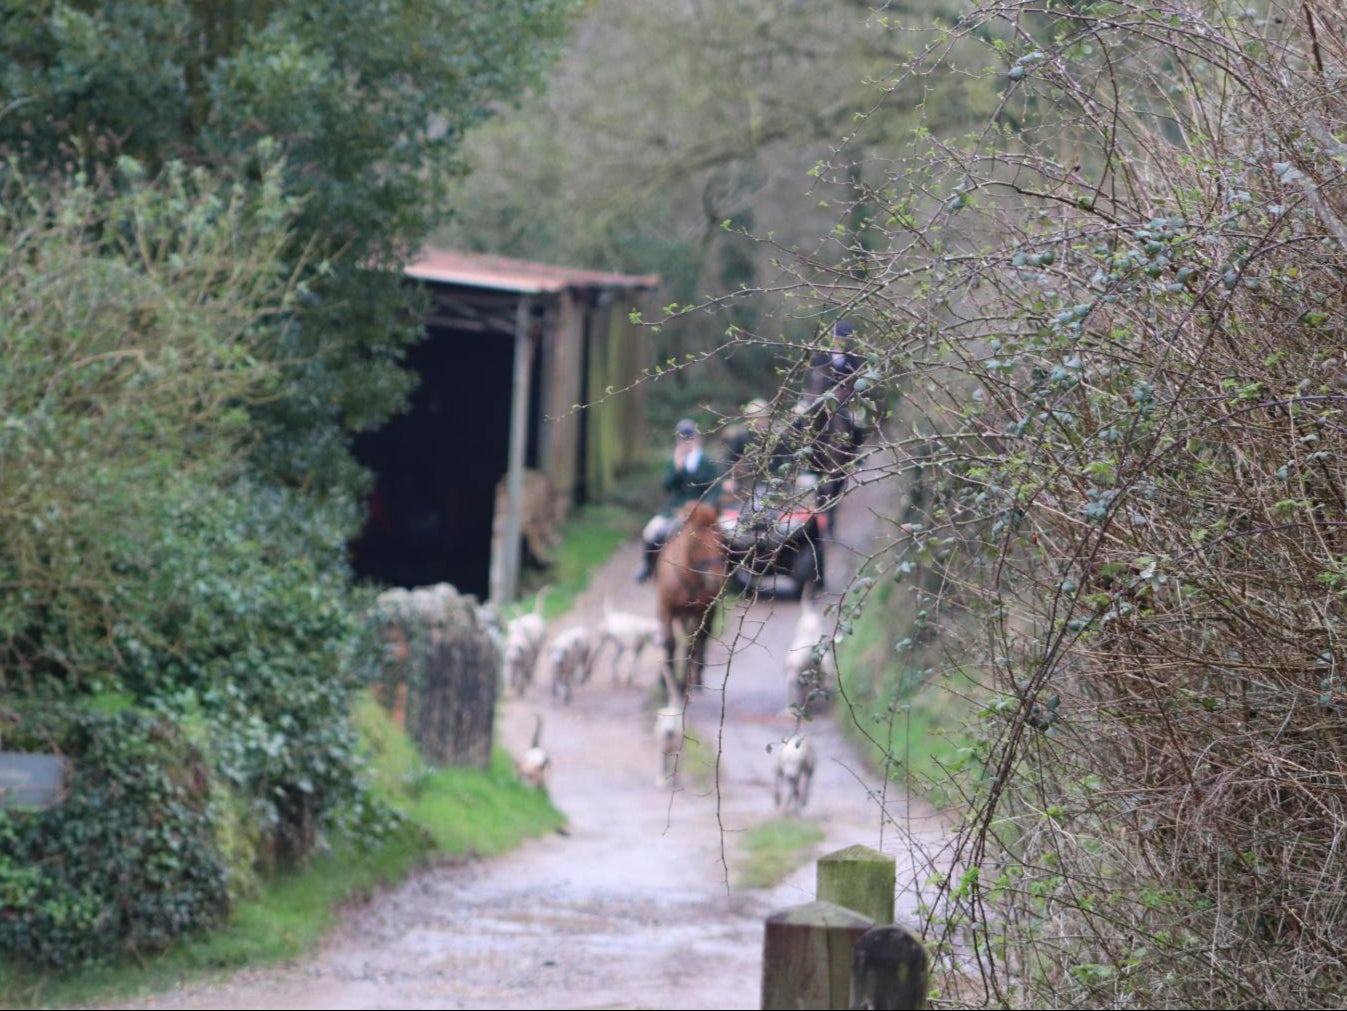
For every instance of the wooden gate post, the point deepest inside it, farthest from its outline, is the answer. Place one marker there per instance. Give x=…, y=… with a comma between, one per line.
x=807, y=954
x=889, y=971
x=859, y=878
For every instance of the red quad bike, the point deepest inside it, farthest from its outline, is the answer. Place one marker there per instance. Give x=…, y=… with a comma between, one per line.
x=775, y=539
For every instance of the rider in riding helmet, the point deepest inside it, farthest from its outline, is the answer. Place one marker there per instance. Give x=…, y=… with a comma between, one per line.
x=830, y=419
x=834, y=368
x=691, y=475
x=760, y=448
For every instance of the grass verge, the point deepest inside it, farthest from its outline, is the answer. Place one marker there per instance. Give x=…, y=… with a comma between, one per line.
x=773, y=849
x=909, y=719
x=589, y=540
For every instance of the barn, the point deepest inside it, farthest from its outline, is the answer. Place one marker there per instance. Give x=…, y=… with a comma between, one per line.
x=493, y=435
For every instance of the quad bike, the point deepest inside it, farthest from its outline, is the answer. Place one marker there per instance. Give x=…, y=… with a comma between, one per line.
x=777, y=533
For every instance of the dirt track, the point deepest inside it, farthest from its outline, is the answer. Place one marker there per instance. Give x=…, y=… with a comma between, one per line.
x=633, y=907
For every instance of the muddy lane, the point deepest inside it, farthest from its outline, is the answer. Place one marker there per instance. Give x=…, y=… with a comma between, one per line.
x=637, y=904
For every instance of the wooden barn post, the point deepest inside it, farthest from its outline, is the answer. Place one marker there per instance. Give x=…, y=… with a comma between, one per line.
x=505, y=557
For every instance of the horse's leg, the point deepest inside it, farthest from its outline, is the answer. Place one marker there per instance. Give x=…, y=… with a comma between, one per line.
x=697, y=639
x=670, y=666
x=694, y=657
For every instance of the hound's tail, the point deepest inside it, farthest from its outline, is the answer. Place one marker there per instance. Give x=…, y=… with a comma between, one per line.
x=537, y=730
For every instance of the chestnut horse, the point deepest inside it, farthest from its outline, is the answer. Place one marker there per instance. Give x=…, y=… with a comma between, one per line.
x=689, y=575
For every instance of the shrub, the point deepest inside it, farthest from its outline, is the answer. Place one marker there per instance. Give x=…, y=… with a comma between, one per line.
x=128, y=861
x=143, y=559
x=1121, y=309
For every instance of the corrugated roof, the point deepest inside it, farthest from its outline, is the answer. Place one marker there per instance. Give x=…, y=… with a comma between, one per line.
x=500, y=273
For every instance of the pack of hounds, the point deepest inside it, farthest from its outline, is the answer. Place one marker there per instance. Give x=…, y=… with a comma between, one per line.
x=570, y=657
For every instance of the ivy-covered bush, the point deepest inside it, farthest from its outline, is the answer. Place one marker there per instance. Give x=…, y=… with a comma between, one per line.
x=235, y=613
x=128, y=861
x=143, y=559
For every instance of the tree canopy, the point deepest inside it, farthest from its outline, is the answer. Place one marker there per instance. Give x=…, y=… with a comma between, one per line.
x=368, y=103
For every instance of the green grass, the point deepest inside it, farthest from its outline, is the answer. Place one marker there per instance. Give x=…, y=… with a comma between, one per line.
x=463, y=811
x=588, y=540
x=467, y=812
x=909, y=719
x=773, y=849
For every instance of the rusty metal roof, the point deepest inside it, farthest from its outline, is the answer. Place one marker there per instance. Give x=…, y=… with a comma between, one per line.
x=500, y=273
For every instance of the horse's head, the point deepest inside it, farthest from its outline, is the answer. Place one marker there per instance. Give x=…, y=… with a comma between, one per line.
x=700, y=514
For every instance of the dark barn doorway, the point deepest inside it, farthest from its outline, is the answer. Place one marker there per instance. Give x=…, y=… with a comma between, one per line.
x=437, y=466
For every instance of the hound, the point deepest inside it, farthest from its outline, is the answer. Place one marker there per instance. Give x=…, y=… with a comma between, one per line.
x=810, y=661
x=533, y=766
x=523, y=643
x=568, y=657
x=794, y=773
x=630, y=634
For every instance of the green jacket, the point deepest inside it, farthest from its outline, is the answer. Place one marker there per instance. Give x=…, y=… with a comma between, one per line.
x=683, y=486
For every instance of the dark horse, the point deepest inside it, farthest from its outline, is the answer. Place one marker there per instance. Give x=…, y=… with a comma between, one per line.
x=827, y=427
x=689, y=576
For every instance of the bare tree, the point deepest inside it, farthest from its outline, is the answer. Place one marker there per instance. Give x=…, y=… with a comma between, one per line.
x=1117, y=315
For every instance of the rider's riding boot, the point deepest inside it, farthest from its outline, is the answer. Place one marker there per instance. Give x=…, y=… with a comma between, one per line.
x=647, y=563
x=648, y=554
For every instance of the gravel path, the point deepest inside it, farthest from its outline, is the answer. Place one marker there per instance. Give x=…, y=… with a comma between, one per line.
x=636, y=904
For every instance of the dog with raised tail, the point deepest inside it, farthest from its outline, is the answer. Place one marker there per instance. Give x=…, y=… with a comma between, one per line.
x=794, y=773
x=523, y=644
x=669, y=735
x=534, y=764
x=811, y=666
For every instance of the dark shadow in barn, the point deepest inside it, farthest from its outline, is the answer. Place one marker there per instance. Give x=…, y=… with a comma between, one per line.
x=437, y=465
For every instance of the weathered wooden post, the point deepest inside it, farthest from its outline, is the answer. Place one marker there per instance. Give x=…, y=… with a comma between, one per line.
x=806, y=956
x=859, y=878
x=889, y=971
x=806, y=946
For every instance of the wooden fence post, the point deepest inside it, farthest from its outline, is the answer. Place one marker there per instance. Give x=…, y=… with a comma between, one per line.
x=859, y=878
x=807, y=954
x=889, y=971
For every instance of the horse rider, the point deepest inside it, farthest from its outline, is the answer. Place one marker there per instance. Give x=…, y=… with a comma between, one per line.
x=742, y=439
x=833, y=369
x=692, y=474
x=829, y=416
